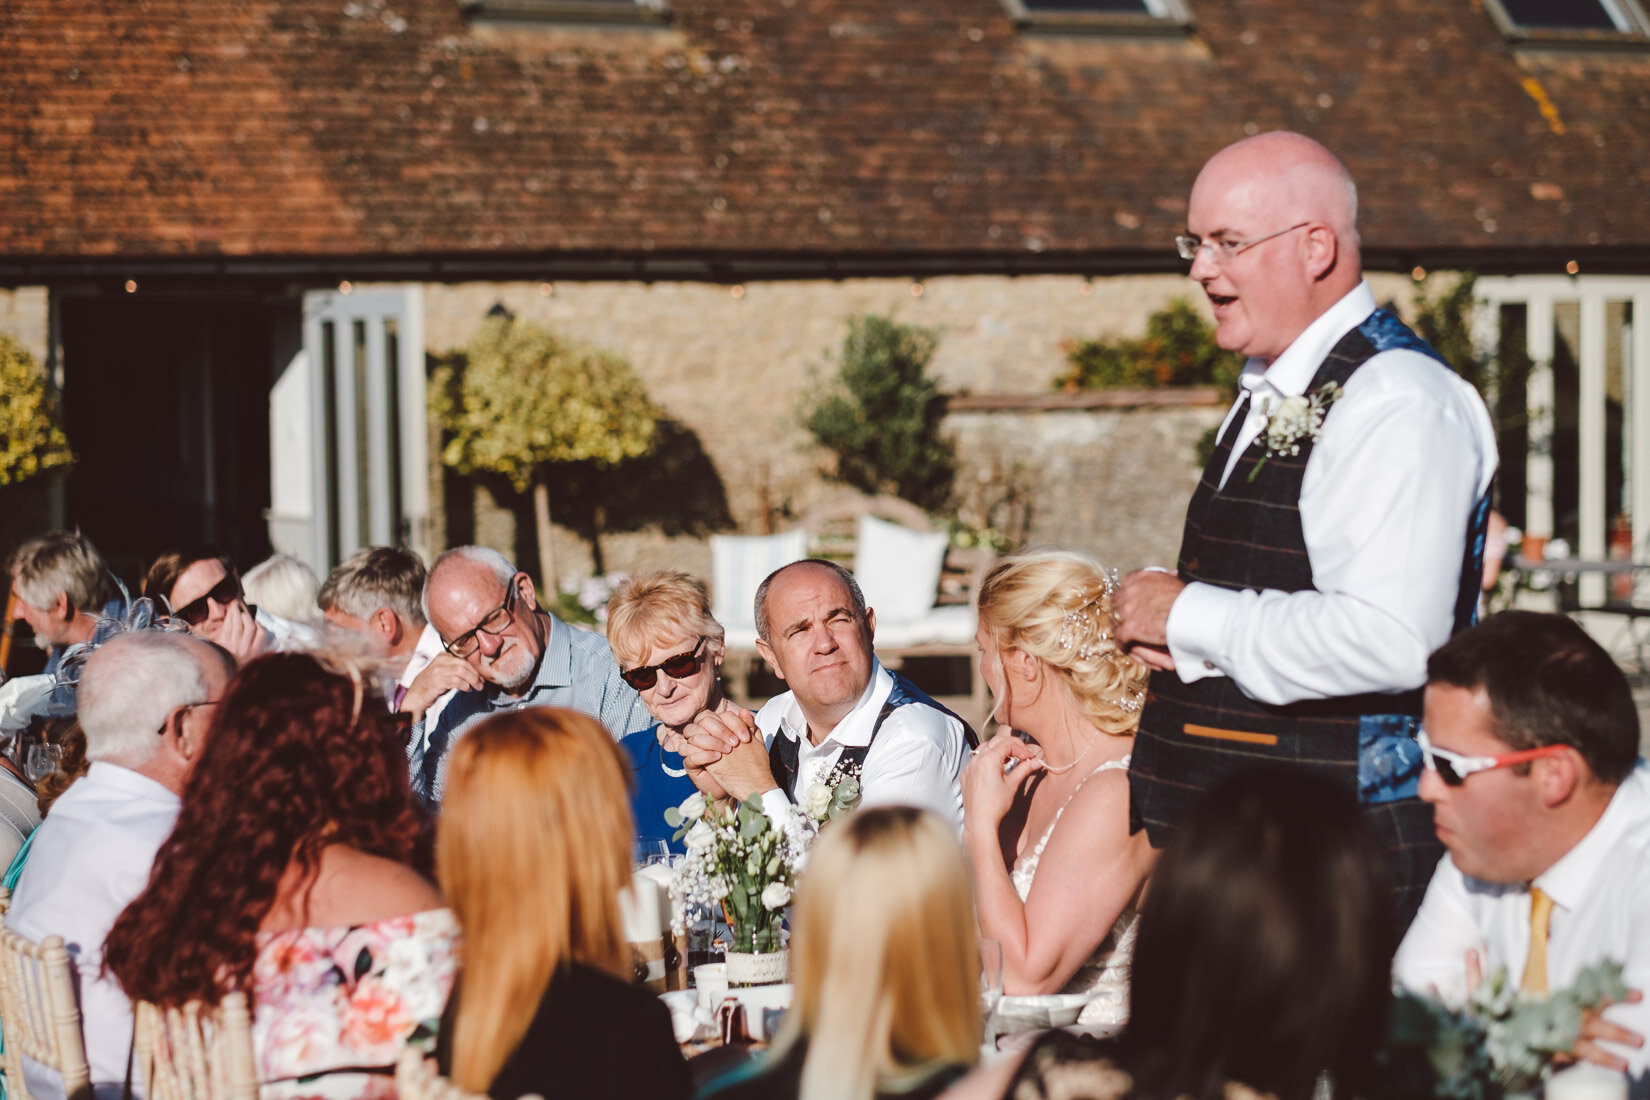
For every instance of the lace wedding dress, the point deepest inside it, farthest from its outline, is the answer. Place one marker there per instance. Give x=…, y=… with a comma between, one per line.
x=1105, y=976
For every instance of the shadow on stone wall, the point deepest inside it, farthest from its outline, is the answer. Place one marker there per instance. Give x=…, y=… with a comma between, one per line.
x=675, y=491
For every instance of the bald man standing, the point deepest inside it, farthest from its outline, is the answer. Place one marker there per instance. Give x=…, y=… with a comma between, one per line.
x=1335, y=538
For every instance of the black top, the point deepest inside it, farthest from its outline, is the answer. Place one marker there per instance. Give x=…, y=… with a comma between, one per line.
x=592, y=1037
x=767, y=1079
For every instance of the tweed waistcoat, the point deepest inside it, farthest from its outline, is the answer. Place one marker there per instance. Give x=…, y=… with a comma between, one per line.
x=783, y=751
x=1247, y=534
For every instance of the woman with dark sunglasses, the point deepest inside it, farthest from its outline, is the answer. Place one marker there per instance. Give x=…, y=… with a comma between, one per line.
x=669, y=647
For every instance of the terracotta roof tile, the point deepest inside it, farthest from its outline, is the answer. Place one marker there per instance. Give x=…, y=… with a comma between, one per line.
x=797, y=127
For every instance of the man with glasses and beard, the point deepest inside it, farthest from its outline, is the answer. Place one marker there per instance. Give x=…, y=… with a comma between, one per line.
x=1531, y=741
x=198, y=587
x=1335, y=537
x=487, y=614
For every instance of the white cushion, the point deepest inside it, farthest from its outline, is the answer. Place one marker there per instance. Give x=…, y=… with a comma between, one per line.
x=898, y=568
x=953, y=624
x=739, y=564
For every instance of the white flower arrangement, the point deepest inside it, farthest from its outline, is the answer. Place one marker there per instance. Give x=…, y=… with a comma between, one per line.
x=739, y=861
x=1293, y=419
x=836, y=794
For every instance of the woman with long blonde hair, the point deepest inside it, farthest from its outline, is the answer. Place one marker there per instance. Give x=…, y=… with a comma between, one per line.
x=1058, y=877
x=885, y=956
x=533, y=849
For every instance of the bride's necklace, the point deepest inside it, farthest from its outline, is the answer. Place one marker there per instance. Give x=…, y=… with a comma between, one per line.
x=1063, y=768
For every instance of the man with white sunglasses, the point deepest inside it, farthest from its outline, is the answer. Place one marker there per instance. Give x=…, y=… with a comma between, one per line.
x=1531, y=741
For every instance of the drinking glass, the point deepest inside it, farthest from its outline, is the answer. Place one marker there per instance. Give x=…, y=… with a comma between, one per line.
x=648, y=850
x=991, y=985
x=42, y=761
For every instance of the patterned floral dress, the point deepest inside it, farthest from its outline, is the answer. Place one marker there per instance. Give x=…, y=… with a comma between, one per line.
x=335, y=1006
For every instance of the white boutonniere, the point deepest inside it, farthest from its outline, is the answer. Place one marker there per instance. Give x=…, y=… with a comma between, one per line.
x=1296, y=418
x=836, y=794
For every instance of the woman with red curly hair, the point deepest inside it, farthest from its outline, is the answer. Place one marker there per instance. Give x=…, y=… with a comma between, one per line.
x=290, y=875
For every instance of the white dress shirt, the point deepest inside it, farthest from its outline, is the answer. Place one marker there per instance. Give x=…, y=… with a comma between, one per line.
x=1406, y=453
x=91, y=858
x=916, y=760
x=1601, y=911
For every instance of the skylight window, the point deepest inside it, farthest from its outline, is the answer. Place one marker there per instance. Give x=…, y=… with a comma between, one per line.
x=1100, y=16
x=567, y=11
x=1575, y=20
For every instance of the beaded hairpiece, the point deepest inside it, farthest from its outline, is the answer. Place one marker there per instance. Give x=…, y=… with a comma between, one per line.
x=1085, y=631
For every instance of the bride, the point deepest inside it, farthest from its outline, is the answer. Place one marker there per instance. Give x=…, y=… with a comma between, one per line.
x=1057, y=875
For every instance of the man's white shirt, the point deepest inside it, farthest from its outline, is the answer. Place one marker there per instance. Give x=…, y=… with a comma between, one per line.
x=916, y=759
x=1406, y=454
x=91, y=859
x=1601, y=911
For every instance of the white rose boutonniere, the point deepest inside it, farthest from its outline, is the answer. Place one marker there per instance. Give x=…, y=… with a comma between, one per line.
x=1296, y=418
x=817, y=801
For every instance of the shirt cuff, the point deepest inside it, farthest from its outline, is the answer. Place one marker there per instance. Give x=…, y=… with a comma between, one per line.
x=776, y=805
x=1196, y=628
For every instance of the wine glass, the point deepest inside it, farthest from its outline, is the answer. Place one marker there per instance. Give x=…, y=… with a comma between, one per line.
x=991, y=985
x=43, y=760
x=645, y=851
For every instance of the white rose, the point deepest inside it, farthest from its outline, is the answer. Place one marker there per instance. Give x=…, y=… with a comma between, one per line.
x=1294, y=408
x=776, y=895
x=693, y=807
x=699, y=837
x=817, y=800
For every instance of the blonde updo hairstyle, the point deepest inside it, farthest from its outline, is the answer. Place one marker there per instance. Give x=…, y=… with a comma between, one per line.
x=1056, y=606
x=651, y=606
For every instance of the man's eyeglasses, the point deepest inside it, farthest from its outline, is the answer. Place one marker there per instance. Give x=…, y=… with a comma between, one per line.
x=1223, y=249
x=495, y=622
x=196, y=612
x=679, y=667
x=179, y=712
x=1453, y=768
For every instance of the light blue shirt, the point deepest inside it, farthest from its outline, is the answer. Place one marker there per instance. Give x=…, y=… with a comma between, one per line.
x=577, y=671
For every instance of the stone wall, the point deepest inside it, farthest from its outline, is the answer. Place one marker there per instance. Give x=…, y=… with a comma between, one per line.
x=730, y=364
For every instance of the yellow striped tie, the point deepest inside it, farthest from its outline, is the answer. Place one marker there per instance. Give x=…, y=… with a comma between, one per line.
x=1535, y=967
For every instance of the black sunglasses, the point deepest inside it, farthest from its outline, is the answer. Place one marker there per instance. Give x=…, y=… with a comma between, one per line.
x=679, y=667
x=195, y=612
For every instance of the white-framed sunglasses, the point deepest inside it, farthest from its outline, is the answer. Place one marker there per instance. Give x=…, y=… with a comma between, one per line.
x=1453, y=768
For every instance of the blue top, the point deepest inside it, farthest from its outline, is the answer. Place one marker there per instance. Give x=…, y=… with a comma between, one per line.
x=661, y=781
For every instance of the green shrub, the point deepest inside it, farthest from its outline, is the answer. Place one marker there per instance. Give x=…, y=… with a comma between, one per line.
x=1178, y=349
x=882, y=417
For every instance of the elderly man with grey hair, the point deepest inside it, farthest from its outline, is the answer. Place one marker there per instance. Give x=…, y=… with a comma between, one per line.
x=488, y=615
x=376, y=596
x=145, y=704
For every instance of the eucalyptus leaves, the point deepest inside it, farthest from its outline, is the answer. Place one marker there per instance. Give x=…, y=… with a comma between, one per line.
x=1500, y=1042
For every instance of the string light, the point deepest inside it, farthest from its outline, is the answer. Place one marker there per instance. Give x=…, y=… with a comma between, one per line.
x=546, y=289
x=1419, y=273
x=346, y=287
x=131, y=286
x=737, y=290
x=916, y=288
x=1573, y=268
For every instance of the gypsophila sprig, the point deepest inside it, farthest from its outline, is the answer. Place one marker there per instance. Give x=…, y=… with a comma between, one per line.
x=739, y=861
x=1293, y=419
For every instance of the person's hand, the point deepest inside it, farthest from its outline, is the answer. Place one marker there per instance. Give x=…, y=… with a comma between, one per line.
x=710, y=736
x=989, y=792
x=239, y=633
x=1595, y=1029
x=744, y=771
x=443, y=674
x=1140, y=611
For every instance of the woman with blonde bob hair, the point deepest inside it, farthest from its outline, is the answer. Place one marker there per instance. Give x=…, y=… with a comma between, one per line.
x=669, y=647
x=1061, y=681
x=886, y=962
x=532, y=851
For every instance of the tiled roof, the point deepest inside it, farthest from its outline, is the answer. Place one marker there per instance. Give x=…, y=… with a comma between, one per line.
x=792, y=130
